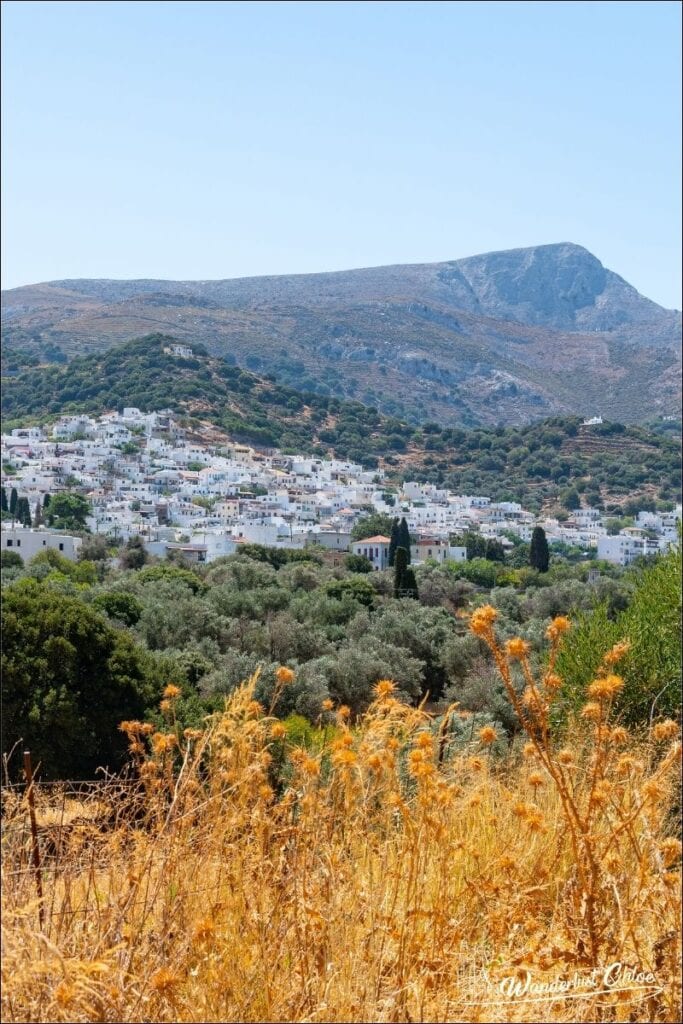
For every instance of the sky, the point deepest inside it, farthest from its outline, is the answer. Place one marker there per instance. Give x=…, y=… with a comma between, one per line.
x=213, y=140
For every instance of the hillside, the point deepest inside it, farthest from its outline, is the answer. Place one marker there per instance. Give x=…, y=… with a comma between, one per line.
x=507, y=337
x=538, y=465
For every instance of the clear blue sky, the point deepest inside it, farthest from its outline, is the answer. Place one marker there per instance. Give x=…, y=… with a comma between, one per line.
x=213, y=140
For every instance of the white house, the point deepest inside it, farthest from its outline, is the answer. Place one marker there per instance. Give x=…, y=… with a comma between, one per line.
x=28, y=542
x=429, y=548
x=184, y=351
x=621, y=549
x=376, y=549
x=335, y=540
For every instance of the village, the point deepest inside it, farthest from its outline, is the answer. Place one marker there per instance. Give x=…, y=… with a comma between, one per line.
x=196, y=493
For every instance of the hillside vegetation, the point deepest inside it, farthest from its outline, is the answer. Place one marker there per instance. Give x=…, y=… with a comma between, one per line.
x=540, y=465
x=508, y=337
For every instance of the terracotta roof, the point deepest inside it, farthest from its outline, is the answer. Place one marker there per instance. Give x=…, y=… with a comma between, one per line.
x=375, y=540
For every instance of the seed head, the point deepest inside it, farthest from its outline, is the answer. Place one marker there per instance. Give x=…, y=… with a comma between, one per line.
x=284, y=675
x=552, y=682
x=517, y=648
x=617, y=652
x=345, y=758
x=671, y=850
x=665, y=730
x=311, y=767
x=482, y=620
x=557, y=627
x=203, y=930
x=605, y=687
x=164, y=981
x=385, y=687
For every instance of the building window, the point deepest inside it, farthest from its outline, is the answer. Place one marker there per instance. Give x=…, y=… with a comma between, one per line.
x=9, y=543
x=18, y=543
x=61, y=547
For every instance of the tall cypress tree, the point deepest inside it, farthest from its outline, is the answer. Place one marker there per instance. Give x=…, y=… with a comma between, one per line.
x=393, y=542
x=23, y=512
x=13, y=499
x=409, y=584
x=3, y=500
x=38, y=514
x=539, y=553
x=404, y=537
x=400, y=566
x=46, y=501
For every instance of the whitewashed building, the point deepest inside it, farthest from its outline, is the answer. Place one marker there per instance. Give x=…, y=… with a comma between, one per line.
x=27, y=542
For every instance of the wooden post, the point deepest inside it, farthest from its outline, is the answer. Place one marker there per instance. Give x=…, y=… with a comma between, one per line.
x=28, y=771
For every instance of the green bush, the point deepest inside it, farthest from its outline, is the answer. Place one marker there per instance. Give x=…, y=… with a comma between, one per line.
x=652, y=624
x=68, y=680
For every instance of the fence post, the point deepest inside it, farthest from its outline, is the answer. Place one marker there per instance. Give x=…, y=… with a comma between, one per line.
x=28, y=771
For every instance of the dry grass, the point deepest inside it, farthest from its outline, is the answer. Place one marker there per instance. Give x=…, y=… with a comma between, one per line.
x=387, y=877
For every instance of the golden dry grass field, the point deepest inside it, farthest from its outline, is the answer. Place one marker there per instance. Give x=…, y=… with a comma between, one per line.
x=381, y=875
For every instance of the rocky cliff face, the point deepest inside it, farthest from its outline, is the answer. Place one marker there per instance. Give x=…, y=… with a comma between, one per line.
x=500, y=337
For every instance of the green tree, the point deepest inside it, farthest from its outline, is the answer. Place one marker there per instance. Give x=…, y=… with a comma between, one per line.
x=359, y=589
x=134, y=555
x=409, y=584
x=23, y=512
x=373, y=525
x=405, y=584
x=11, y=560
x=393, y=542
x=495, y=552
x=121, y=606
x=38, y=514
x=400, y=566
x=4, y=507
x=68, y=679
x=404, y=537
x=475, y=545
x=68, y=511
x=571, y=499
x=13, y=499
x=539, y=553
x=358, y=563
x=94, y=549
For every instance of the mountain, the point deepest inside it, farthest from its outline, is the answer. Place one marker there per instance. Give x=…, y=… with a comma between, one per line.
x=533, y=464
x=506, y=337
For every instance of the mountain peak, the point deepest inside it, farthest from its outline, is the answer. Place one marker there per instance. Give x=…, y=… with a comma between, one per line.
x=498, y=337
